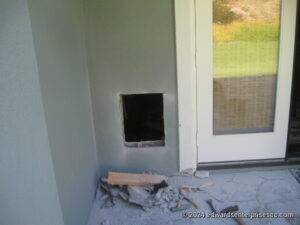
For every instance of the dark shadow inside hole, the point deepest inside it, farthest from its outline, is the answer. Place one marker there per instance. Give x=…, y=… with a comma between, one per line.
x=143, y=117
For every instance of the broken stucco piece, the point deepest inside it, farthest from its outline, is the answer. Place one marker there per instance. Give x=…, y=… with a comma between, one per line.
x=133, y=179
x=201, y=174
x=188, y=172
x=140, y=196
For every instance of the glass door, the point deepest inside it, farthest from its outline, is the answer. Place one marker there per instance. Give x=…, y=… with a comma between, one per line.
x=244, y=58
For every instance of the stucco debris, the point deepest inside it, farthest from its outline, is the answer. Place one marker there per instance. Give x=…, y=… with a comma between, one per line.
x=162, y=195
x=192, y=173
x=201, y=174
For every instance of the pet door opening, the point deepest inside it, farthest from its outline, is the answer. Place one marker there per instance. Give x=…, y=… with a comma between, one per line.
x=143, y=120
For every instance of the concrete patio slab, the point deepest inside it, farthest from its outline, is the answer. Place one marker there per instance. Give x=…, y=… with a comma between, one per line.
x=255, y=190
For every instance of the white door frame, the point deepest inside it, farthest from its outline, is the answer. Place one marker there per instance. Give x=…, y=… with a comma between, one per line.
x=186, y=83
x=187, y=76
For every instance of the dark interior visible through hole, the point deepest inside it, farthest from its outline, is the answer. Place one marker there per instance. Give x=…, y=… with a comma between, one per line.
x=143, y=118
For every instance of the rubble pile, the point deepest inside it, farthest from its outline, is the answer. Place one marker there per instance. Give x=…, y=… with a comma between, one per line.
x=145, y=195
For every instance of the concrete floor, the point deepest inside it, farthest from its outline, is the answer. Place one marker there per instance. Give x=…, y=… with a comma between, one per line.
x=253, y=190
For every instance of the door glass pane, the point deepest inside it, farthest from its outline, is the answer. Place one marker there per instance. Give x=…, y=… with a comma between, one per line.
x=245, y=65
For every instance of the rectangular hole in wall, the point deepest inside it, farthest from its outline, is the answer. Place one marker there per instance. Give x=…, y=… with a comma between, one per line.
x=143, y=120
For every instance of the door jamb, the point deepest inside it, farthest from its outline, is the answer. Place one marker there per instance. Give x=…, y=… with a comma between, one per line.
x=186, y=83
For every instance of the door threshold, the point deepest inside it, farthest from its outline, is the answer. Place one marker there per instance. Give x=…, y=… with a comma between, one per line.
x=248, y=164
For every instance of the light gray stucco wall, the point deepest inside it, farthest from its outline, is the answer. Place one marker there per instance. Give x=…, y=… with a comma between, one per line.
x=131, y=49
x=28, y=193
x=60, y=48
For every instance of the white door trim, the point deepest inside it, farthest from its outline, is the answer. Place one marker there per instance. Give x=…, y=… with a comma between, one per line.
x=186, y=83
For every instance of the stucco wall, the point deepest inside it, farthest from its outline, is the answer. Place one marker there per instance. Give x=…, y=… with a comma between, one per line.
x=48, y=157
x=131, y=49
x=28, y=194
x=59, y=42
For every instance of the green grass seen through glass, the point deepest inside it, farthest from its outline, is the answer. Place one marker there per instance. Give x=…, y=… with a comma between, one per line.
x=245, y=58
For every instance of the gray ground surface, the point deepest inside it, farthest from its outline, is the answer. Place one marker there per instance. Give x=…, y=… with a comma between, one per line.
x=253, y=190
